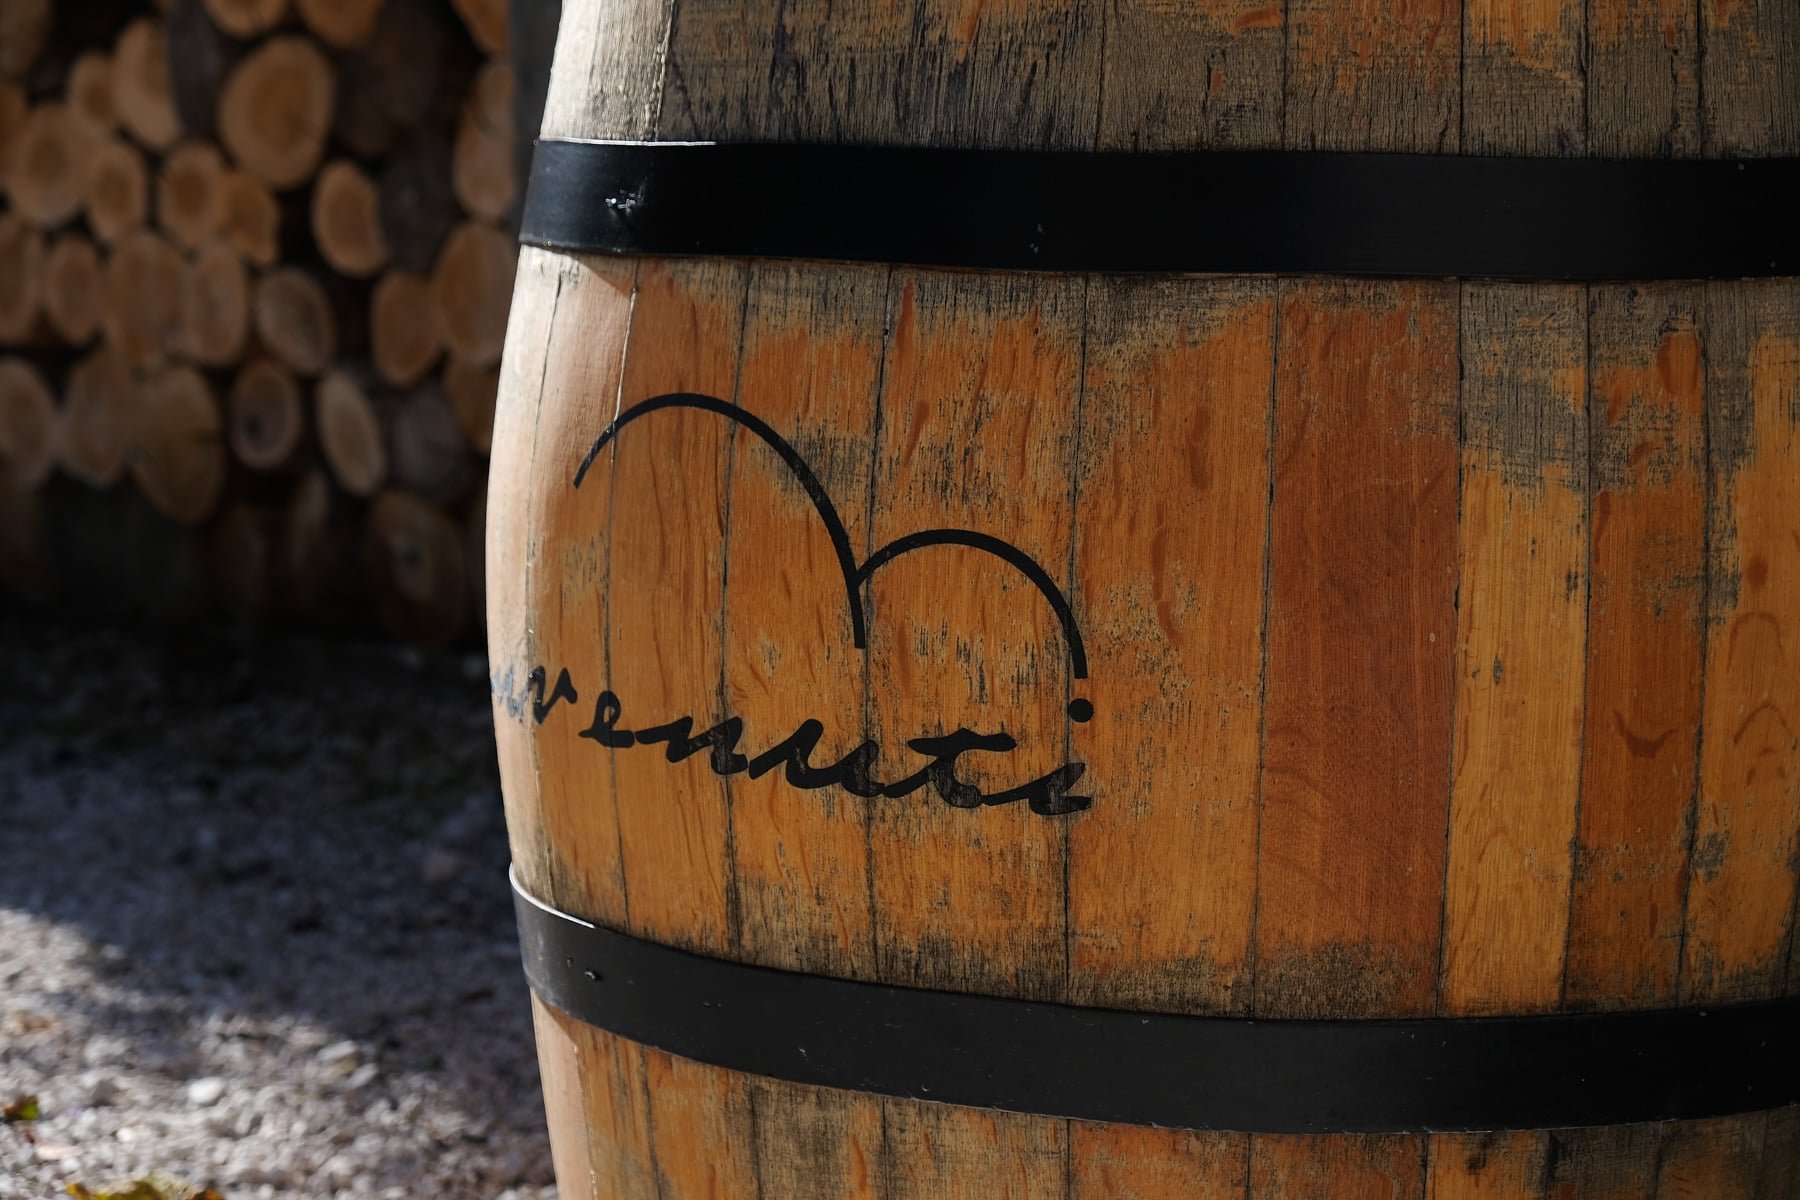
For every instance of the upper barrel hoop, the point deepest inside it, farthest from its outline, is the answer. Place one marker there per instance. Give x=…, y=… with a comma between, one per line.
x=1261, y=212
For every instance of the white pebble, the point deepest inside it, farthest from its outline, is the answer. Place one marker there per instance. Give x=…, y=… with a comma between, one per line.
x=203, y=1092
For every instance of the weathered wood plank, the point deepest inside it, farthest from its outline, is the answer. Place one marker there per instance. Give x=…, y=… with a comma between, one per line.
x=1522, y=634
x=1646, y=614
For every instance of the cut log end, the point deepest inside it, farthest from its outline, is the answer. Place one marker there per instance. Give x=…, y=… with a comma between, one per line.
x=295, y=320
x=90, y=94
x=21, y=280
x=403, y=333
x=97, y=418
x=350, y=434
x=275, y=111
x=178, y=454
x=430, y=457
x=215, y=306
x=72, y=289
x=140, y=311
x=189, y=201
x=27, y=425
x=346, y=220
x=266, y=416
x=345, y=24
x=143, y=100
x=25, y=27
x=413, y=555
x=45, y=172
x=473, y=392
x=249, y=218
x=116, y=190
x=471, y=291
x=246, y=18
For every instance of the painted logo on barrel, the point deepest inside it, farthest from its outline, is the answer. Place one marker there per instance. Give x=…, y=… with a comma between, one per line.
x=538, y=694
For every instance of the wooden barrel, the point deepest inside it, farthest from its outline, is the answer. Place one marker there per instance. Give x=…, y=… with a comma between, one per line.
x=903, y=669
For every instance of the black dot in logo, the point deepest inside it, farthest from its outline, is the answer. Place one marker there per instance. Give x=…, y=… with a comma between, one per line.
x=1081, y=710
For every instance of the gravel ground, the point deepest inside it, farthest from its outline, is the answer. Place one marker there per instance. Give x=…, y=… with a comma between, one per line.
x=254, y=926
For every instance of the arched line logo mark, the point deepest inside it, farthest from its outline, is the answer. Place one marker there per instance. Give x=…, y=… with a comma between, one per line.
x=857, y=574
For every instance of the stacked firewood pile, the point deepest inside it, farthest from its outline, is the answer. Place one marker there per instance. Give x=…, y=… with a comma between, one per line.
x=255, y=263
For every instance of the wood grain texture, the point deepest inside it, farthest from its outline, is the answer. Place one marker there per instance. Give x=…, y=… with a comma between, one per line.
x=1487, y=1166
x=1643, y=78
x=1740, y=912
x=1372, y=76
x=979, y=410
x=1350, y=1166
x=1124, y=1162
x=1170, y=587
x=1645, y=616
x=1361, y=623
x=1188, y=76
x=1521, y=639
x=812, y=354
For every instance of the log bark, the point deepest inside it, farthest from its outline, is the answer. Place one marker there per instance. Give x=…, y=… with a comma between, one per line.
x=247, y=18
x=265, y=417
x=215, y=306
x=250, y=218
x=206, y=56
x=471, y=291
x=473, y=392
x=189, y=201
x=142, y=97
x=344, y=24
x=482, y=171
x=295, y=320
x=141, y=311
x=177, y=458
x=24, y=32
x=404, y=336
x=428, y=453
x=21, y=280
x=72, y=289
x=275, y=111
x=27, y=425
x=352, y=437
x=45, y=175
x=413, y=558
x=90, y=94
x=418, y=202
x=116, y=190
x=486, y=22
x=97, y=416
x=346, y=220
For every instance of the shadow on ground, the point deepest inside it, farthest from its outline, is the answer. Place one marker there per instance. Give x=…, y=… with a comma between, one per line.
x=270, y=870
